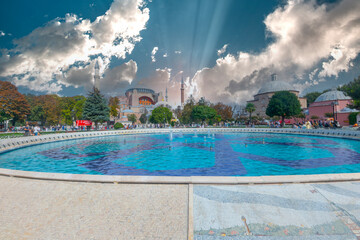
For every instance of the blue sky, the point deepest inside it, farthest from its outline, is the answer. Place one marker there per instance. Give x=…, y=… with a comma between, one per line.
x=224, y=49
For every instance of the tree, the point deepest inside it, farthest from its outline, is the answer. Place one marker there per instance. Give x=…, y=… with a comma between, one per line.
x=113, y=104
x=38, y=114
x=143, y=118
x=113, y=111
x=314, y=117
x=185, y=117
x=203, y=114
x=352, y=89
x=224, y=111
x=283, y=104
x=160, y=115
x=118, y=125
x=95, y=107
x=352, y=118
x=13, y=104
x=202, y=102
x=311, y=97
x=250, y=108
x=78, y=107
x=132, y=118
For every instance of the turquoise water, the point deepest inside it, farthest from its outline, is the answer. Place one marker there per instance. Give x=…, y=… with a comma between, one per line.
x=233, y=154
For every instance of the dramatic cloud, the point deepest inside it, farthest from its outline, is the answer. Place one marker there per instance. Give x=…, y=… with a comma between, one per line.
x=153, y=52
x=222, y=50
x=306, y=36
x=62, y=53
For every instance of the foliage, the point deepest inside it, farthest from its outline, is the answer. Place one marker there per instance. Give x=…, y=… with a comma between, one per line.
x=185, y=116
x=352, y=118
x=95, y=107
x=118, y=126
x=114, y=104
x=250, y=108
x=283, y=104
x=311, y=97
x=314, y=117
x=132, y=118
x=160, y=115
x=38, y=114
x=113, y=111
x=143, y=118
x=202, y=102
x=202, y=113
x=224, y=111
x=352, y=89
x=329, y=115
x=13, y=104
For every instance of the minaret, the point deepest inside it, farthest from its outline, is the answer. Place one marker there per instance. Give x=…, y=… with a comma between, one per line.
x=182, y=91
x=97, y=75
x=166, y=96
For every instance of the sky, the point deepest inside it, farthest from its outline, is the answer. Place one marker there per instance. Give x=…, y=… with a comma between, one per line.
x=225, y=50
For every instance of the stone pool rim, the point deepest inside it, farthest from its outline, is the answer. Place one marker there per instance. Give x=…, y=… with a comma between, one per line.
x=15, y=143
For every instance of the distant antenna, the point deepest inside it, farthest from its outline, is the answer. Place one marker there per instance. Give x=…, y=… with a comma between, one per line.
x=273, y=77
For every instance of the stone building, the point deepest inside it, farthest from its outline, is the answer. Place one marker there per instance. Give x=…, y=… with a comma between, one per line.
x=334, y=102
x=262, y=98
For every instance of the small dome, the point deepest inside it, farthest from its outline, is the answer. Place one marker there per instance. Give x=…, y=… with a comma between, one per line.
x=276, y=86
x=332, y=95
x=128, y=111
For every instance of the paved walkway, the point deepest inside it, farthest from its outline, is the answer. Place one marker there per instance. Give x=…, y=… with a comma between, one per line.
x=42, y=209
x=39, y=209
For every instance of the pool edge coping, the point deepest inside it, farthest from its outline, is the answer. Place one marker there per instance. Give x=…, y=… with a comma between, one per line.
x=241, y=180
x=278, y=179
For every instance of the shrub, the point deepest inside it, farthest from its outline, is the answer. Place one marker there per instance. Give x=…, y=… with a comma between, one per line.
x=352, y=118
x=118, y=125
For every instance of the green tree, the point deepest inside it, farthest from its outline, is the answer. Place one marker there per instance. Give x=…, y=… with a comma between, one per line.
x=202, y=113
x=352, y=118
x=352, y=89
x=113, y=111
x=38, y=114
x=283, y=104
x=160, y=115
x=13, y=104
x=132, y=118
x=185, y=116
x=114, y=104
x=95, y=107
x=311, y=97
x=250, y=108
x=143, y=118
x=78, y=107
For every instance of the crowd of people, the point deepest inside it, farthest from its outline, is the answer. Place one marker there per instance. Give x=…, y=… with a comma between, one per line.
x=317, y=124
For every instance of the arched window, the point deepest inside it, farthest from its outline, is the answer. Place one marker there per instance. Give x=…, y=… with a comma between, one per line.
x=145, y=101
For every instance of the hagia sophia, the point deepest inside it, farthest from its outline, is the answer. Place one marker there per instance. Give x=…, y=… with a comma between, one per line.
x=138, y=101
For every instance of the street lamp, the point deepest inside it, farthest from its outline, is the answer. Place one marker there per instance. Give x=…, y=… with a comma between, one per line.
x=334, y=103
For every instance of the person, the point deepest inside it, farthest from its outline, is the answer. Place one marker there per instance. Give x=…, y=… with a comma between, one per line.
x=27, y=130
x=36, y=131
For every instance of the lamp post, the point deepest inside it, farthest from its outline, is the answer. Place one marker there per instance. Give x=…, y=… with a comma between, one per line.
x=334, y=103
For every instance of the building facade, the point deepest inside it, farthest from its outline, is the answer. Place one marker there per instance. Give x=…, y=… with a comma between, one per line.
x=333, y=102
x=262, y=98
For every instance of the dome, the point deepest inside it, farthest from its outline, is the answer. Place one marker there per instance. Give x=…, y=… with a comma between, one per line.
x=332, y=95
x=276, y=86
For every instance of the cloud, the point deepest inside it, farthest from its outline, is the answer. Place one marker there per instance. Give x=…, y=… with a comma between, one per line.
x=2, y=33
x=222, y=50
x=69, y=46
x=305, y=36
x=165, y=55
x=177, y=52
x=153, y=52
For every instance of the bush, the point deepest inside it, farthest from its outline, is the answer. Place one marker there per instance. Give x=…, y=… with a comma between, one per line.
x=352, y=118
x=118, y=125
